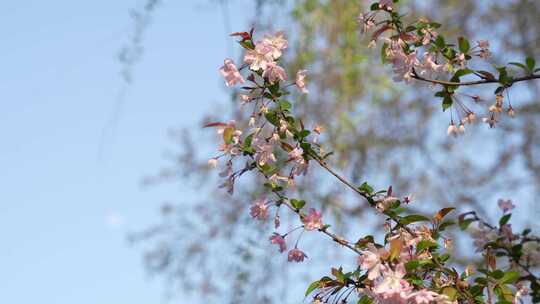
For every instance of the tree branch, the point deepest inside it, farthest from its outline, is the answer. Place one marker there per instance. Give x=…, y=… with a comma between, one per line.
x=471, y=83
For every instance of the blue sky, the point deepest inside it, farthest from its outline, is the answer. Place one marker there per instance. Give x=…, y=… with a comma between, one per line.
x=66, y=207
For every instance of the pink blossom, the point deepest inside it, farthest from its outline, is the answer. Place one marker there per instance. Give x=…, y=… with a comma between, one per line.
x=402, y=63
x=296, y=255
x=452, y=129
x=429, y=34
x=274, y=72
x=483, y=44
x=424, y=296
x=259, y=209
x=313, y=220
x=230, y=73
x=276, y=42
x=461, y=59
x=484, y=52
x=386, y=3
x=295, y=154
x=429, y=65
x=393, y=288
x=300, y=164
x=264, y=152
x=506, y=205
x=300, y=81
x=260, y=57
x=521, y=292
x=370, y=260
x=277, y=239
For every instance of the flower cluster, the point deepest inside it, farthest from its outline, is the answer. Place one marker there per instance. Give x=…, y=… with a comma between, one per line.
x=412, y=264
x=417, y=51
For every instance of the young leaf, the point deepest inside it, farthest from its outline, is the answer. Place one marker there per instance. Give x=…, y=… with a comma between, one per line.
x=227, y=135
x=366, y=188
x=504, y=220
x=447, y=102
x=442, y=213
x=312, y=287
x=531, y=63
x=298, y=204
x=413, y=218
x=464, y=45
x=365, y=300
x=425, y=244
x=509, y=277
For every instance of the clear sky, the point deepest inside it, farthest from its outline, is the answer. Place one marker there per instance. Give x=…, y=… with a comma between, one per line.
x=66, y=208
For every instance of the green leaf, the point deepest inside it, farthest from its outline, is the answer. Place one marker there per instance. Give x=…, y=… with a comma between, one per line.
x=446, y=224
x=413, y=218
x=298, y=204
x=274, y=88
x=227, y=135
x=464, y=224
x=447, y=102
x=272, y=118
x=509, y=277
x=366, y=188
x=248, y=140
x=520, y=65
x=285, y=105
x=504, y=293
x=464, y=45
x=531, y=63
x=363, y=242
x=450, y=292
x=439, y=42
x=384, y=58
x=365, y=300
x=412, y=265
x=461, y=73
x=504, y=220
x=425, y=244
x=312, y=287
x=303, y=134
x=497, y=274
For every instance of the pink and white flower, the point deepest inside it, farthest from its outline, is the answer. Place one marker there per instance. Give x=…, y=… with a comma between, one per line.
x=277, y=43
x=393, y=288
x=259, y=209
x=370, y=260
x=260, y=57
x=313, y=220
x=230, y=73
x=278, y=239
x=274, y=72
x=402, y=63
x=424, y=296
x=505, y=205
x=386, y=4
x=300, y=81
x=264, y=152
x=296, y=255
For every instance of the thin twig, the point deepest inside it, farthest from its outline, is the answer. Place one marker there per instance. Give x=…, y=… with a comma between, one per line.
x=471, y=83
